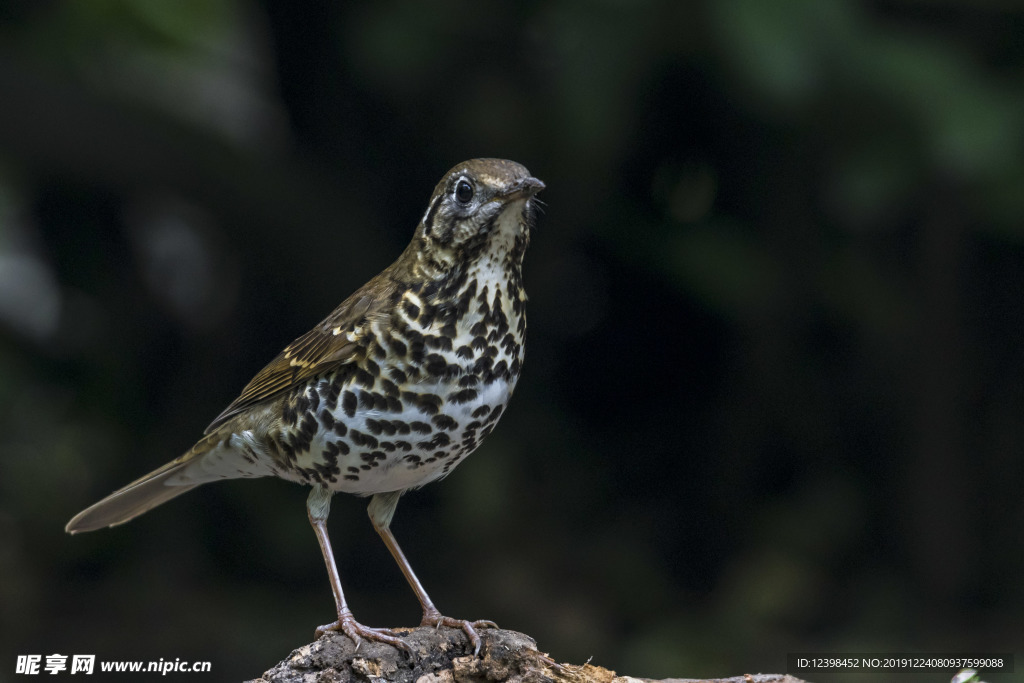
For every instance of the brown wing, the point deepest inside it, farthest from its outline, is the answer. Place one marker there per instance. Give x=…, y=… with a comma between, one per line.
x=330, y=344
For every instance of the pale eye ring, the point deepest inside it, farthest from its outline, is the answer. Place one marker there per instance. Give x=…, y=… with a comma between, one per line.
x=463, y=192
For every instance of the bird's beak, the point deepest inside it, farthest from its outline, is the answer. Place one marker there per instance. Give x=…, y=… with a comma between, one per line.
x=525, y=187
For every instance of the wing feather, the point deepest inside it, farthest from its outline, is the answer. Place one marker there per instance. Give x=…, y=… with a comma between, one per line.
x=329, y=345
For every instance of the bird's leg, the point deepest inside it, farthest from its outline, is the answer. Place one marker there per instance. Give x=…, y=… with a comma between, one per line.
x=382, y=509
x=318, y=507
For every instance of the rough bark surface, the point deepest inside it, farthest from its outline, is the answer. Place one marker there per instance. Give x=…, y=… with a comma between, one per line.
x=445, y=656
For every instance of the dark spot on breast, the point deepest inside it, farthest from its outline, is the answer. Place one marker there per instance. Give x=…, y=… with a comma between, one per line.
x=330, y=453
x=348, y=403
x=372, y=367
x=360, y=439
x=416, y=351
x=331, y=399
x=482, y=410
x=465, y=352
x=435, y=365
x=428, y=403
x=463, y=396
x=501, y=370
x=394, y=405
x=398, y=376
x=309, y=426
x=421, y=427
x=326, y=419
x=479, y=344
x=340, y=428
x=352, y=477
x=411, y=309
x=444, y=422
x=427, y=316
x=364, y=378
x=469, y=381
x=465, y=299
x=400, y=427
x=398, y=348
x=374, y=426
x=300, y=440
x=389, y=388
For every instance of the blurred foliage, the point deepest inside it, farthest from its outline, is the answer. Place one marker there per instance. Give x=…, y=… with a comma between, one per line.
x=774, y=396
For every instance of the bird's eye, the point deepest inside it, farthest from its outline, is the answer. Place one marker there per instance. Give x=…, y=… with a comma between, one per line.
x=463, y=192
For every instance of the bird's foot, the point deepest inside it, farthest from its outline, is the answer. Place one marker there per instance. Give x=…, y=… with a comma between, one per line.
x=437, y=620
x=356, y=631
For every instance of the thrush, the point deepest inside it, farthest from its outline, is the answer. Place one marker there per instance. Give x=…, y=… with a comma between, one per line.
x=391, y=391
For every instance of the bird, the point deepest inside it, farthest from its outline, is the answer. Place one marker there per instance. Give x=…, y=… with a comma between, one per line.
x=391, y=391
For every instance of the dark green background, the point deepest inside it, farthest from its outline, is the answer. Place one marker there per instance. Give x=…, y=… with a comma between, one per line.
x=774, y=391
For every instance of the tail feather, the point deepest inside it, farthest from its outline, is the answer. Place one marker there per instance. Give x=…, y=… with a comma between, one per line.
x=144, y=494
x=131, y=501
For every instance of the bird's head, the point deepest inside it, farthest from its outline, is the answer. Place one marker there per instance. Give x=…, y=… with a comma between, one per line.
x=481, y=205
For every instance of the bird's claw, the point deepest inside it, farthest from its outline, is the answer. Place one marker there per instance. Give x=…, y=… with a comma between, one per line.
x=357, y=632
x=468, y=627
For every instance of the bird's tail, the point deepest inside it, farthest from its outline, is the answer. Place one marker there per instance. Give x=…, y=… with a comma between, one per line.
x=144, y=494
